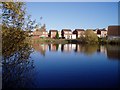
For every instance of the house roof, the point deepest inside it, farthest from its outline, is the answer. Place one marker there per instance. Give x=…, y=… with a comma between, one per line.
x=102, y=29
x=53, y=30
x=79, y=29
x=66, y=29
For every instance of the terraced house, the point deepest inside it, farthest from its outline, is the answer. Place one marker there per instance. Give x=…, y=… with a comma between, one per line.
x=52, y=33
x=79, y=32
x=40, y=32
x=66, y=33
x=102, y=33
x=113, y=32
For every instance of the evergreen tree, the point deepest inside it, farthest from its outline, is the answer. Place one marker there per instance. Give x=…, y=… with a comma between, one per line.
x=57, y=35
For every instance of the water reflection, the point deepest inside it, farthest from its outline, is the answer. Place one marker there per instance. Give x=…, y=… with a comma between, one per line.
x=86, y=49
x=113, y=52
x=109, y=50
x=41, y=48
x=53, y=47
x=16, y=64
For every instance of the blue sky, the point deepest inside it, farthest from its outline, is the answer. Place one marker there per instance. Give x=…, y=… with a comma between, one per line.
x=74, y=15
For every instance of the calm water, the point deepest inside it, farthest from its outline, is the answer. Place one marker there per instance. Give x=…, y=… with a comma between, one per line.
x=66, y=66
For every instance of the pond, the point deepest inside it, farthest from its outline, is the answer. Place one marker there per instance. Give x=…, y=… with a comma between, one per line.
x=64, y=66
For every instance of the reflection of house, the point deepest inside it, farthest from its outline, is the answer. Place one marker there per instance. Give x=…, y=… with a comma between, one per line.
x=73, y=47
x=66, y=33
x=66, y=47
x=103, y=49
x=52, y=33
x=77, y=49
x=59, y=48
x=113, y=52
x=53, y=47
x=79, y=32
x=113, y=32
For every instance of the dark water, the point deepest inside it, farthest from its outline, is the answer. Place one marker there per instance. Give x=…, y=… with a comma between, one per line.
x=66, y=66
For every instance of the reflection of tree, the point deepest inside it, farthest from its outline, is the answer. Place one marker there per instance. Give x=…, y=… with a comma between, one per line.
x=40, y=48
x=86, y=49
x=16, y=63
x=57, y=46
x=79, y=48
x=62, y=47
x=113, y=52
x=90, y=49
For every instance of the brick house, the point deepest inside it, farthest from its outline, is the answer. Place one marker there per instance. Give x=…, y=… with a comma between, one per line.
x=113, y=32
x=66, y=33
x=73, y=36
x=79, y=32
x=52, y=33
x=59, y=32
x=40, y=34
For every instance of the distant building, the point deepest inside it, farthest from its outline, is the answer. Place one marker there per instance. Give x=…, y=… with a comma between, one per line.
x=40, y=32
x=44, y=34
x=59, y=32
x=79, y=32
x=66, y=33
x=52, y=33
x=102, y=33
x=113, y=32
x=73, y=36
x=95, y=31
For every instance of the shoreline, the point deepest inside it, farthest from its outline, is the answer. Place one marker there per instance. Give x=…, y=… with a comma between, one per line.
x=72, y=41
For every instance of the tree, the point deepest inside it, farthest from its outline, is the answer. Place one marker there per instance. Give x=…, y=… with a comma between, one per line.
x=15, y=50
x=57, y=35
x=43, y=28
x=82, y=38
x=14, y=16
x=90, y=36
x=15, y=23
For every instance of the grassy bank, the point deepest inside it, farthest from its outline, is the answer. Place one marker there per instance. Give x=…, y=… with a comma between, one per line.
x=75, y=41
x=111, y=42
x=49, y=40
